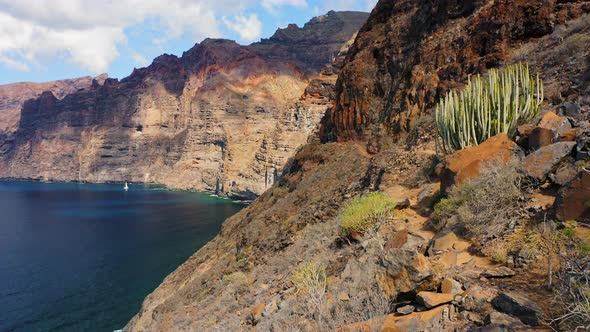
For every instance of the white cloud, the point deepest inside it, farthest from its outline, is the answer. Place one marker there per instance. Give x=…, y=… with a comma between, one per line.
x=338, y=5
x=272, y=4
x=139, y=59
x=248, y=27
x=14, y=64
x=89, y=33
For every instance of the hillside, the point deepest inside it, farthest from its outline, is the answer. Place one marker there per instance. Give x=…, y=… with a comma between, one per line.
x=479, y=257
x=223, y=118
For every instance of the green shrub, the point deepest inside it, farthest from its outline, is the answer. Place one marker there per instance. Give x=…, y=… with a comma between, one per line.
x=485, y=108
x=365, y=212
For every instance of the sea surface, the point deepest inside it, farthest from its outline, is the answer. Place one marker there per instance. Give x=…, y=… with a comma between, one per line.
x=82, y=257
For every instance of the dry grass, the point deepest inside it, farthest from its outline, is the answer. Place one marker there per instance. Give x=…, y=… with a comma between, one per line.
x=488, y=205
x=310, y=279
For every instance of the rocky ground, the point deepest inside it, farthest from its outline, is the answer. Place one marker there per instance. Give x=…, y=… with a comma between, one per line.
x=222, y=117
x=491, y=238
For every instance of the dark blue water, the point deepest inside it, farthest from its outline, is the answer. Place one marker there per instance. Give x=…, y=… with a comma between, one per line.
x=81, y=257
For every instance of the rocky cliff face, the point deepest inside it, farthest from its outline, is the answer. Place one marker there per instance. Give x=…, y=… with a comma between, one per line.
x=222, y=117
x=410, y=52
x=412, y=272
x=13, y=96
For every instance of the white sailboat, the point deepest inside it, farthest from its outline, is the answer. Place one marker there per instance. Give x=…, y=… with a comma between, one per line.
x=126, y=187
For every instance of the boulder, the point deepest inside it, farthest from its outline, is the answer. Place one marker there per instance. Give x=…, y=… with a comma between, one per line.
x=431, y=299
x=442, y=242
x=405, y=270
x=564, y=174
x=418, y=321
x=568, y=136
x=498, y=272
x=558, y=124
x=464, y=164
x=571, y=110
x=573, y=200
x=503, y=320
x=405, y=310
x=540, y=137
x=519, y=306
x=451, y=286
x=540, y=163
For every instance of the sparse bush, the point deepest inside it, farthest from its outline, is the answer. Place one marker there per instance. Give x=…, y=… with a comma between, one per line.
x=485, y=108
x=573, y=291
x=369, y=304
x=240, y=280
x=488, y=204
x=310, y=279
x=366, y=212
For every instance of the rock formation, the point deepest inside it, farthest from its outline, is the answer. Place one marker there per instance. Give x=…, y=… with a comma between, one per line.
x=13, y=96
x=222, y=117
x=411, y=52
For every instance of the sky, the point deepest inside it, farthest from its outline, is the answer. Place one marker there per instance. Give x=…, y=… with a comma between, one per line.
x=44, y=40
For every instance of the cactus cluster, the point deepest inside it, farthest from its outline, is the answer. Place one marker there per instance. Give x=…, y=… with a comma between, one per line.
x=487, y=107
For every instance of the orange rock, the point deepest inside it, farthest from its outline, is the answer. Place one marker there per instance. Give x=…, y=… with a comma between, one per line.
x=451, y=286
x=258, y=310
x=464, y=164
x=568, y=136
x=556, y=123
x=539, y=164
x=431, y=299
x=417, y=321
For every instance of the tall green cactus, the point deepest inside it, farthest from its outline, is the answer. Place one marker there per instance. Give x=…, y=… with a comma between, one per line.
x=487, y=107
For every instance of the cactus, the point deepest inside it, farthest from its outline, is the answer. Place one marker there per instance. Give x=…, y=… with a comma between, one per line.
x=485, y=108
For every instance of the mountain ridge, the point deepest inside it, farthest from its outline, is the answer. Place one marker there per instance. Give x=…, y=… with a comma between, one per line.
x=222, y=118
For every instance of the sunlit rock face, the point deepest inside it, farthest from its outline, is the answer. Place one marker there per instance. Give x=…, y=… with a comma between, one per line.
x=222, y=117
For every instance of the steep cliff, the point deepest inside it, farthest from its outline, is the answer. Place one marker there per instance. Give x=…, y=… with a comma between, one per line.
x=410, y=52
x=222, y=117
x=13, y=96
x=408, y=273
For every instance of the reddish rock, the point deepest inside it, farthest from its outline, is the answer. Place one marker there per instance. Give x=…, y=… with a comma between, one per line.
x=451, y=286
x=568, y=136
x=411, y=52
x=540, y=137
x=573, y=200
x=540, y=163
x=556, y=123
x=258, y=310
x=464, y=164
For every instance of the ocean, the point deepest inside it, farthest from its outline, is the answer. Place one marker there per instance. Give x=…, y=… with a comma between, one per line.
x=82, y=257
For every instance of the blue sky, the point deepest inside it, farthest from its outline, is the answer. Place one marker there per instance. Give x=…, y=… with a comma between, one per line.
x=44, y=40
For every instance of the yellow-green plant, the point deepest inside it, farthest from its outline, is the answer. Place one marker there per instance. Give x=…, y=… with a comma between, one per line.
x=487, y=107
x=311, y=281
x=365, y=212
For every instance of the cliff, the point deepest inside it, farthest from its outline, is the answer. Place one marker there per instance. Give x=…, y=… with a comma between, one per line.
x=13, y=96
x=222, y=117
x=413, y=270
x=410, y=53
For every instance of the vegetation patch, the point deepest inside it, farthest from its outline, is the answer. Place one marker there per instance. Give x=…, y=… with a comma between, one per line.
x=485, y=108
x=366, y=212
x=486, y=205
